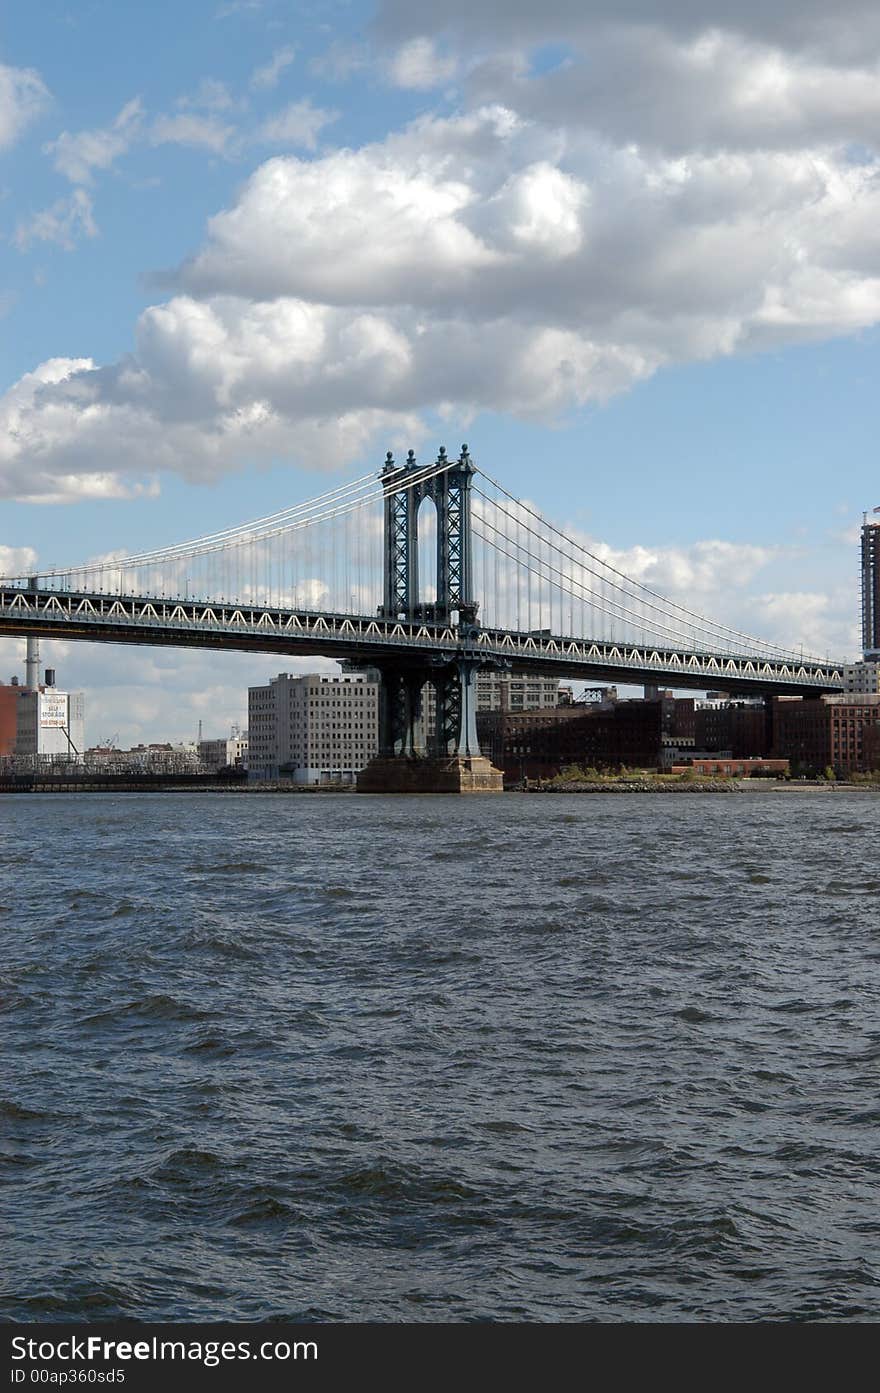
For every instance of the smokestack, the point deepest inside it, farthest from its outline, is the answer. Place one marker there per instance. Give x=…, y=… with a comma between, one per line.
x=32, y=664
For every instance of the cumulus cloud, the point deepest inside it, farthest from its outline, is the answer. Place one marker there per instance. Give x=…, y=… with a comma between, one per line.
x=15, y=561
x=679, y=77
x=704, y=567
x=488, y=216
x=670, y=192
x=209, y=387
x=77, y=155
x=822, y=620
x=23, y=97
x=475, y=262
x=734, y=582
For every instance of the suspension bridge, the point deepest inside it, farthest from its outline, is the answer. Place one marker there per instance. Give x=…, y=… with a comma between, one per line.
x=427, y=572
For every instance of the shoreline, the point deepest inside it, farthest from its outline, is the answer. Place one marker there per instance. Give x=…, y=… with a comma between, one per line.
x=709, y=786
x=718, y=786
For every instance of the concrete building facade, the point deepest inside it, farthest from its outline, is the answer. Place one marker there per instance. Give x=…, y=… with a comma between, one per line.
x=225, y=754
x=863, y=678
x=511, y=691
x=313, y=729
x=50, y=725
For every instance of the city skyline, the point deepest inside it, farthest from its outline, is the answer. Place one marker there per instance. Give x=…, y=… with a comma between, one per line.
x=676, y=318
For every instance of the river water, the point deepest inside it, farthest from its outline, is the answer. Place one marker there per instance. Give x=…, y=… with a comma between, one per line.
x=542, y=1058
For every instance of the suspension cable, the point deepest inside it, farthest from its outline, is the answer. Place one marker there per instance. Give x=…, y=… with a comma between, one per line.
x=707, y=624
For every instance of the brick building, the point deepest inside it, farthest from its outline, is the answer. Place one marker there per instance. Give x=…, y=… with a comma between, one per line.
x=538, y=744
x=9, y=695
x=828, y=732
x=740, y=727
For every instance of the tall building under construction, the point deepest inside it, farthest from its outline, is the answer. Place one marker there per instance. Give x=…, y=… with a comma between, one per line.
x=871, y=587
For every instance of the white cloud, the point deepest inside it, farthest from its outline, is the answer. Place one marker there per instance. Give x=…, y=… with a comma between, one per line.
x=63, y=223
x=78, y=154
x=704, y=568
x=717, y=91
x=16, y=561
x=266, y=77
x=23, y=97
x=199, y=132
x=298, y=124
x=210, y=386
x=487, y=216
x=544, y=249
x=479, y=262
x=733, y=582
x=679, y=76
x=419, y=65
x=822, y=620
x=210, y=95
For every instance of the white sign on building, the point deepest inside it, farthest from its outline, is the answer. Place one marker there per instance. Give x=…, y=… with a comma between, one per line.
x=53, y=710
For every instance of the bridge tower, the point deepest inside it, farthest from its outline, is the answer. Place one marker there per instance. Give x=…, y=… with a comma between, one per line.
x=406, y=487
x=413, y=758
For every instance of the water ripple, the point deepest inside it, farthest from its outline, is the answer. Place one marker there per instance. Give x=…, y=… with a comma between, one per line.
x=502, y=1059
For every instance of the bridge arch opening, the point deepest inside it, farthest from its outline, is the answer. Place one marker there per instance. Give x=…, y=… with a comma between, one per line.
x=426, y=533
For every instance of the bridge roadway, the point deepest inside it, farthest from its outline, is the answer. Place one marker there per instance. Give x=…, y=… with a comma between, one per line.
x=192, y=623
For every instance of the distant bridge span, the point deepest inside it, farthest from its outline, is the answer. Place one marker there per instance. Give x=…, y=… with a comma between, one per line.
x=339, y=577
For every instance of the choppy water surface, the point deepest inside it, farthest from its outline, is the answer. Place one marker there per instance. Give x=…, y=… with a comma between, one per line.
x=519, y=1058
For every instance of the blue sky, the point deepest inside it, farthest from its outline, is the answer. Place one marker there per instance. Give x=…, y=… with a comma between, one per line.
x=630, y=256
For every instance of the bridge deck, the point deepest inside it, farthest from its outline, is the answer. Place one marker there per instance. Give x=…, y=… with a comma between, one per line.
x=143, y=619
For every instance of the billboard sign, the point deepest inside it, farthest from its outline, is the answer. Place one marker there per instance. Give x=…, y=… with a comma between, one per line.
x=53, y=710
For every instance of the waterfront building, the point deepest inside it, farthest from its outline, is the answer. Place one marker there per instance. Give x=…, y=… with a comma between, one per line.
x=225, y=754
x=538, y=744
x=9, y=694
x=740, y=727
x=313, y=729
x=836, y=732
x=50, y=724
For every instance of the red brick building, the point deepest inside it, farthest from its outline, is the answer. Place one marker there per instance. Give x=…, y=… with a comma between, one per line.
x=8, y=717
x=741, y=728
x=837, y=732
x=538, y=744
